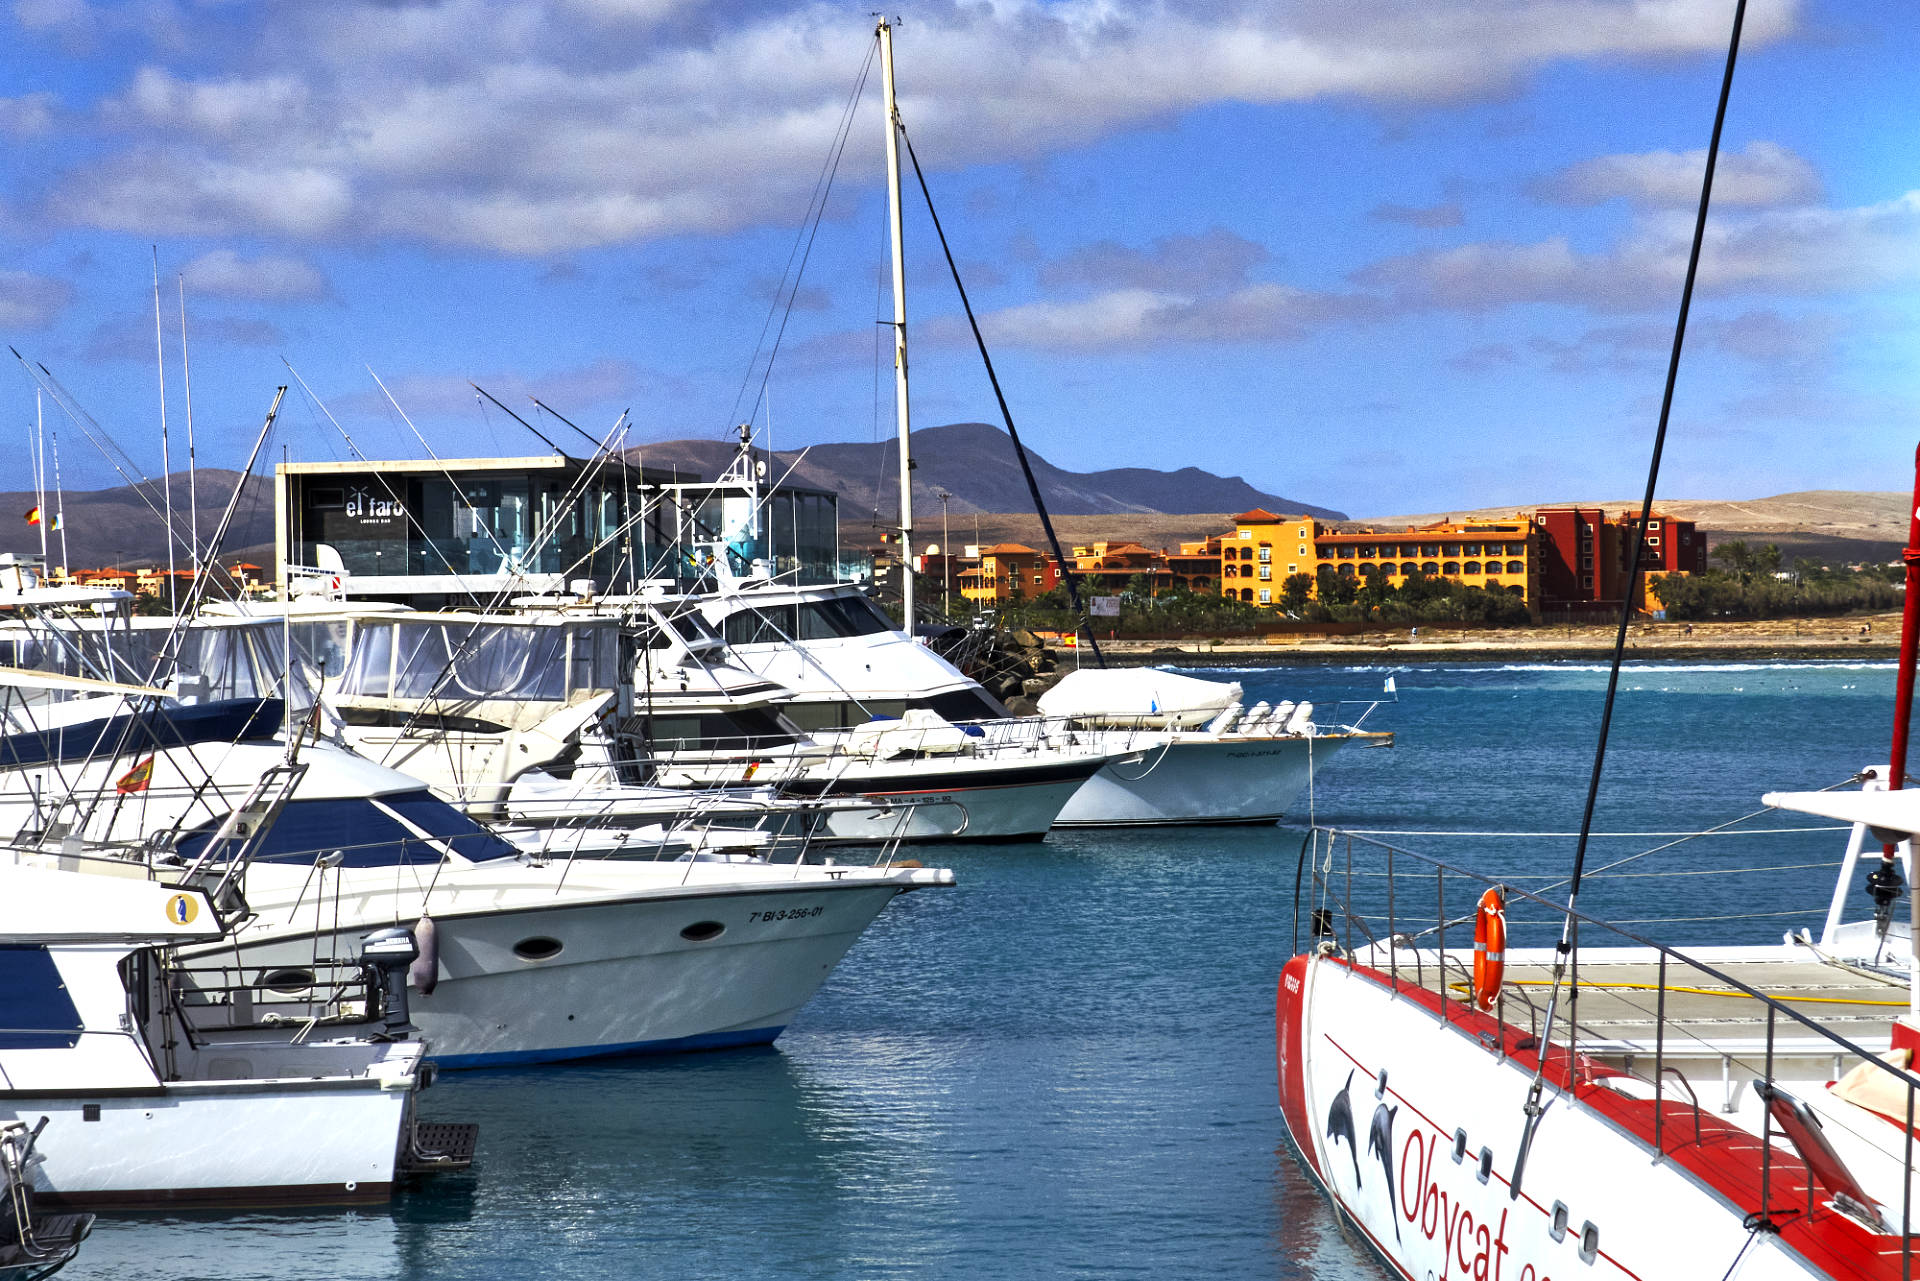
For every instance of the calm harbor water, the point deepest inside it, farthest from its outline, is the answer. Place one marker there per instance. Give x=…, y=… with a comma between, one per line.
x=1065, y=1066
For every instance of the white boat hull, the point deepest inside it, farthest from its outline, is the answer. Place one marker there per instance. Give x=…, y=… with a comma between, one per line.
x=1197, y=778
x=226, y=1143
x=1374, y=1088
x=663, y=968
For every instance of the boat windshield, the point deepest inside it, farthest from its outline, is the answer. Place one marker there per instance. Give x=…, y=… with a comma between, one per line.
x=213, y=663
x=457, y=660
x=364, y=831
x=829, y=619
x=746, y=729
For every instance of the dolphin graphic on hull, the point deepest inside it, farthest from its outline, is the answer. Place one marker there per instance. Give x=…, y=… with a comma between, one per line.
x=1340, y=1125
x=1380, y=1139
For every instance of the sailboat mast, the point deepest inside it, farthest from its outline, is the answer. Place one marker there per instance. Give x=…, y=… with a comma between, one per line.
x=899, y=326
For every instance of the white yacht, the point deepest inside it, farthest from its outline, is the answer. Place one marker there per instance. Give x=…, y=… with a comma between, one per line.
x=491, y=709
x=537, y=950
x=1180, y=750
x=146, y=1095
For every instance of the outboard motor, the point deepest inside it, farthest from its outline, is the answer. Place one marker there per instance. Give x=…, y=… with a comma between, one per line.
x=391, y=952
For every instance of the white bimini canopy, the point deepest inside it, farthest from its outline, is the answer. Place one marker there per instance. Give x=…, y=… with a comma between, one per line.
x=1892, y=812
x=1138, y=696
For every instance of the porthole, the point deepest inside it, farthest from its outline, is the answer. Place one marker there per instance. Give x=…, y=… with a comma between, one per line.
x=538, y=948
x=1459, y=1146
x=1589, y=1242
x=286, y=982
x=1557, y=1228
x=701, y=931
x=1485, y=1171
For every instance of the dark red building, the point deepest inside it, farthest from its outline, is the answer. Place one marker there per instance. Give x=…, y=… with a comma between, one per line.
x=1579, y=554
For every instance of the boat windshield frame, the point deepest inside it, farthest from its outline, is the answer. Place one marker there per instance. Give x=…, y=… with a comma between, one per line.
x=456, y=659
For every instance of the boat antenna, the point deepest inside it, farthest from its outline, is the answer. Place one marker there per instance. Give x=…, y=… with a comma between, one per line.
x=166, y=458
x=59, y=496
x=517, y=418
x=1026, y=467
x=1563, y=950
x=40, y=470
x=193, y=484
x=588, y=436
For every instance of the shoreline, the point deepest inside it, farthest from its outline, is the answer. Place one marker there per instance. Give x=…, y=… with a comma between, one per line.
x=1863, y=639
x=1412, y=655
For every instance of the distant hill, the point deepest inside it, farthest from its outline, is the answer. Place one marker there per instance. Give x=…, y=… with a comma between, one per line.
x=123, y=526
x=975, y=463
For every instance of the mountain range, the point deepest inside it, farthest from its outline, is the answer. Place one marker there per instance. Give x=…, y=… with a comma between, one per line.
x=974, y=463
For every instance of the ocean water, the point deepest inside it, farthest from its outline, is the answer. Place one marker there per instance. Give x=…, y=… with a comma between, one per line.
x=1064, y=1067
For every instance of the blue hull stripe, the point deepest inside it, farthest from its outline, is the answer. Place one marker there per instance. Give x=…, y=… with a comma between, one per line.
x=705, y=1041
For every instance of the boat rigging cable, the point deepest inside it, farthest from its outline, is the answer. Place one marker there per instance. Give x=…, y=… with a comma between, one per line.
x=1026, y=468
x=1564, y=949
x=803, y=243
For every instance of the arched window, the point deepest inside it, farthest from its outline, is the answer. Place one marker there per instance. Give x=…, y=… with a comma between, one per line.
x=1368, y=569
x=1246, y=553
x=1430, y=549
x=1430, y=567
x=1346, y=571
x=1409, y=568
x=1473, y=567
x=1451, y=568
x=1232, y=571
x=1246, y=594
x=1516, y=567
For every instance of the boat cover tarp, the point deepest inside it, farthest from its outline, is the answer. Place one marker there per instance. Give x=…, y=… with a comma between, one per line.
x=1138, y=696
x=157, y=729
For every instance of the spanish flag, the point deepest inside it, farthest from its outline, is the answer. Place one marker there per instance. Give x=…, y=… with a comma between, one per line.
x=33, y=515
x=136, y=779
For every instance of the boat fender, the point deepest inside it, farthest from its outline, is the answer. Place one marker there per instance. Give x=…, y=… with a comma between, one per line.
x=1489, y=949
x=424, y=973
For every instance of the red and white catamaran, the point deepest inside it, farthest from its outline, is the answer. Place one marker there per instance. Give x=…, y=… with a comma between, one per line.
x=1639, y=1112
x=1617, y=1111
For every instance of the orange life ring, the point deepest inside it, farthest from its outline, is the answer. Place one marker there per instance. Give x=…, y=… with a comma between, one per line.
x=1489, y=949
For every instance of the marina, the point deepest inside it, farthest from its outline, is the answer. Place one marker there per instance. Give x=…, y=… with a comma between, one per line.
x=1067, y=1062
x=431, y=854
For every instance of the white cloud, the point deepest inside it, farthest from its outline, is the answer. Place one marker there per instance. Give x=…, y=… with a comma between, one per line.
x=269, y=278
x=523, y=127
x=28, y=301
x=1800, y=252
x=1133, y=318
x=1765, y=174
x=1214, y=260
x=28, y=116
x=585, y=386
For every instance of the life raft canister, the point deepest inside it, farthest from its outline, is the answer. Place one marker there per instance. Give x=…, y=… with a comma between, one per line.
x=1489, y=949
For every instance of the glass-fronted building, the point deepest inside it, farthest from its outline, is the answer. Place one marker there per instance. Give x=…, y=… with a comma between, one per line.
x=461, y=531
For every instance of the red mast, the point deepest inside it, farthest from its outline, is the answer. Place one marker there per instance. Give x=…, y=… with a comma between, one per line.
x=1909, y=641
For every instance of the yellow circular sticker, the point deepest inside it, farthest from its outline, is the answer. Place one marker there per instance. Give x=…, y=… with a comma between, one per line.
x=182, y=908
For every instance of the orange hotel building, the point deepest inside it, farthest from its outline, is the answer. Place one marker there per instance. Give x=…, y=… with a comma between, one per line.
x=1265, y=549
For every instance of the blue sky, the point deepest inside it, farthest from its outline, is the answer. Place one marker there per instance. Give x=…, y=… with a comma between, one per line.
x=1383, y=255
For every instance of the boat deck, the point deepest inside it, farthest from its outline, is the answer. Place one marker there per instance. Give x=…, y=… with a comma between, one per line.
x=1618, y=1012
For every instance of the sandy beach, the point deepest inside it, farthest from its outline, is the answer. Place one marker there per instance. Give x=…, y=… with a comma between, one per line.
x=1873, y=637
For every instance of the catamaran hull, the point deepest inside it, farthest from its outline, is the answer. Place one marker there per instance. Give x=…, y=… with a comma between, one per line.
x=1375, y=1087
x=1199, y=779
x=229, y=1143
x=556, y=981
